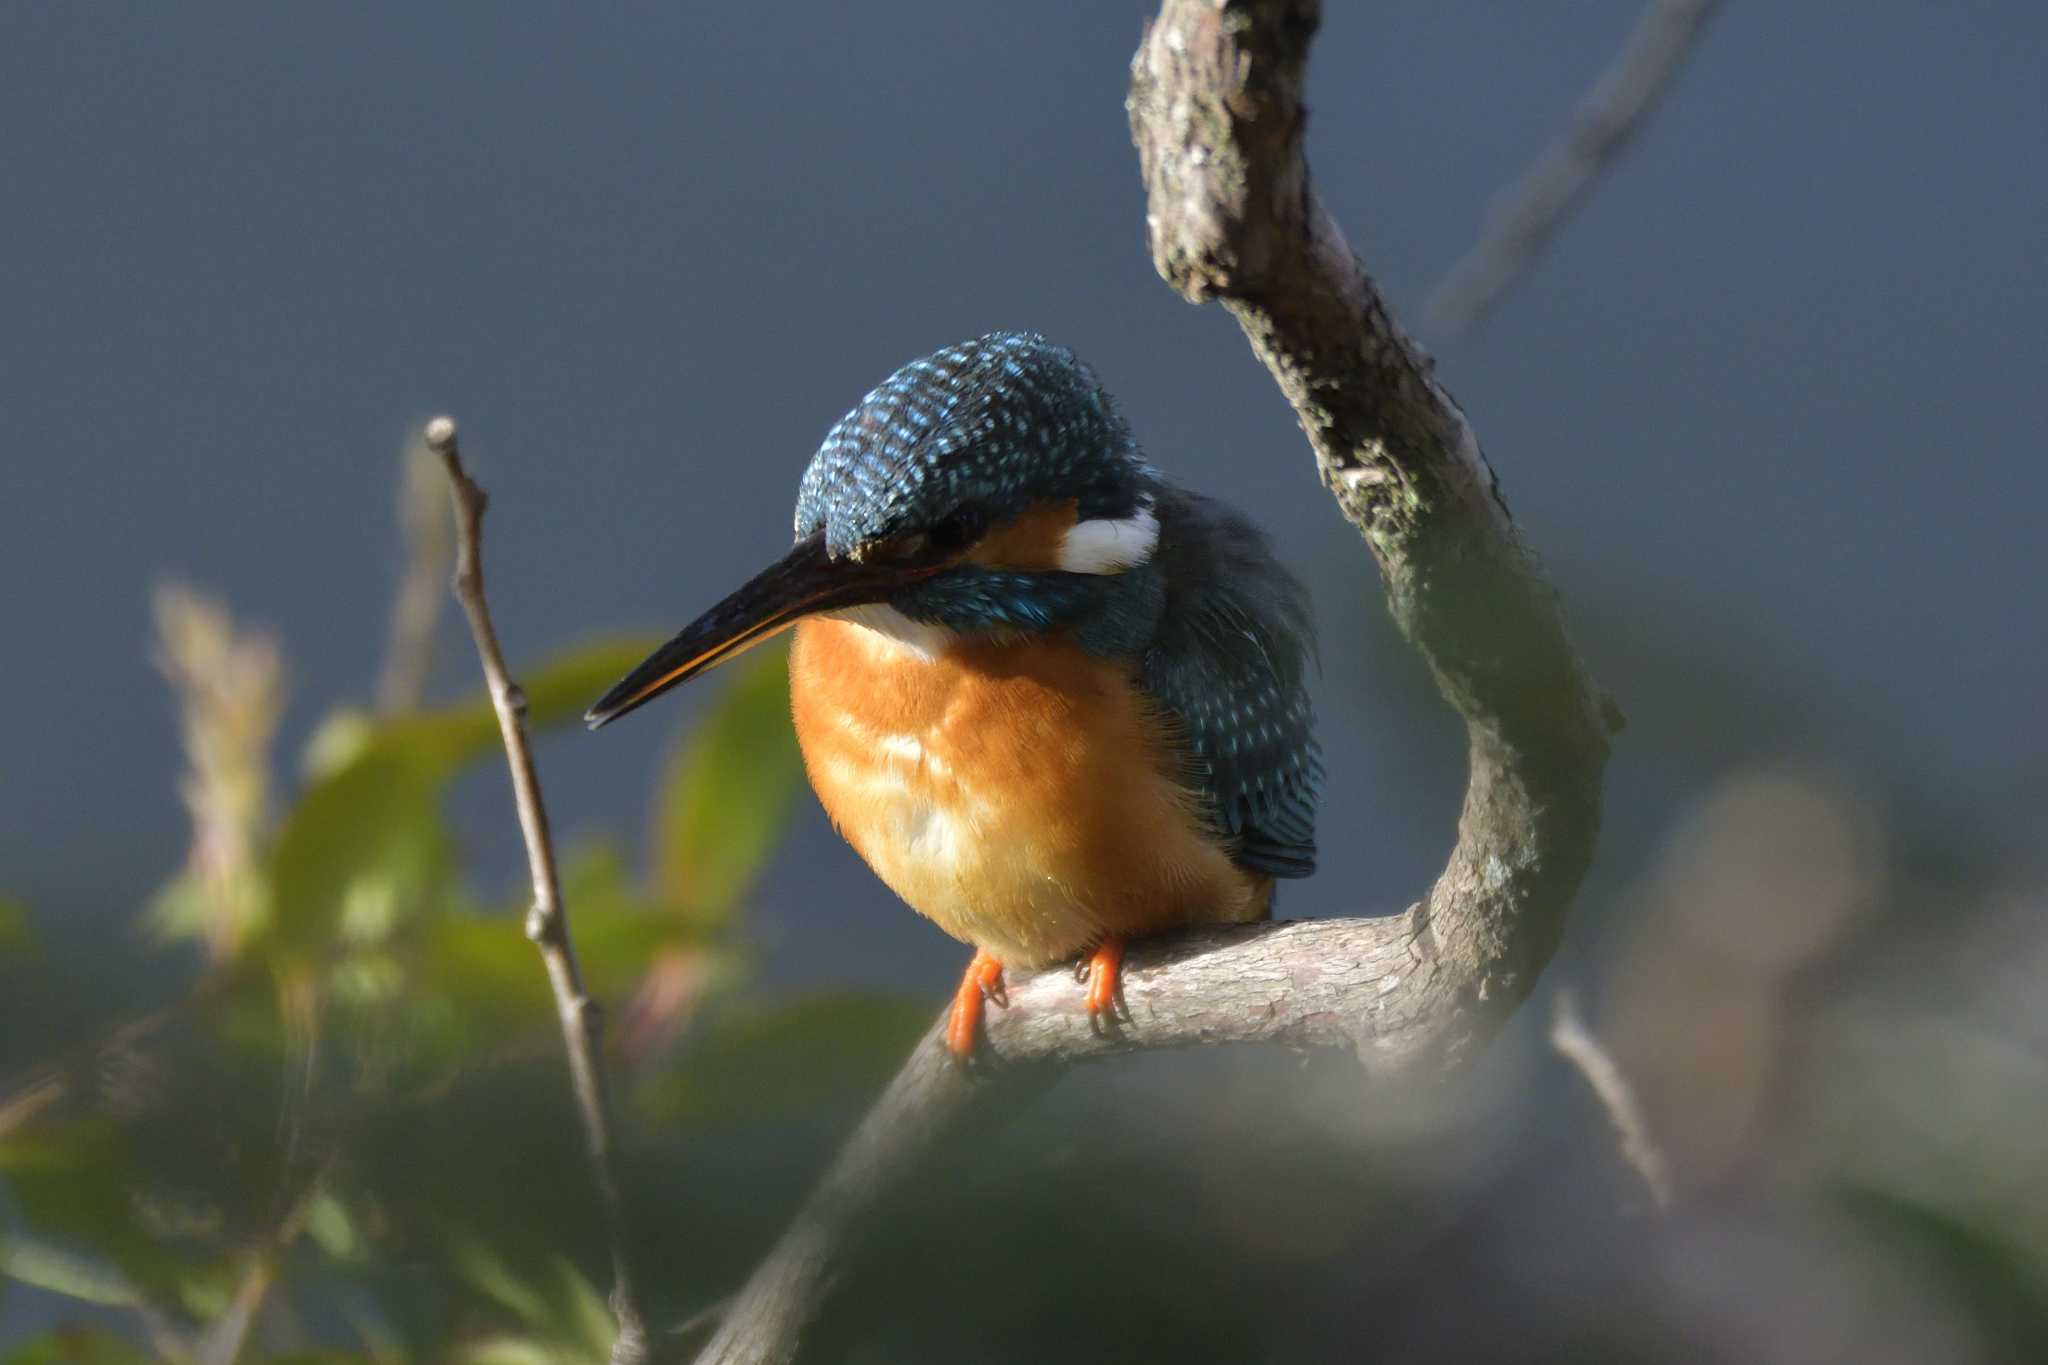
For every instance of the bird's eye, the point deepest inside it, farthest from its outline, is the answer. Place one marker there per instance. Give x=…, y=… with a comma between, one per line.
x=960, y=529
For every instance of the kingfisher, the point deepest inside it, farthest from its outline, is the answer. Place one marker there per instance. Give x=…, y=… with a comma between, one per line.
x=1053, y=700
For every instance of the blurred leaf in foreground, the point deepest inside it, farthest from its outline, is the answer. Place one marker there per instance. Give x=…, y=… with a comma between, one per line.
x=77, y=1346
x=74, y=1182
x=768, y=1061
x=384, y=1060
x=566, y=1313
x=363, y=845
x=16, y=938
x=449, y=737
x=366, y=842
x=726, y=793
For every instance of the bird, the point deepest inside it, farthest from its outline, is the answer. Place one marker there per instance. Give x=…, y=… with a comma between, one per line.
x=1055, y=701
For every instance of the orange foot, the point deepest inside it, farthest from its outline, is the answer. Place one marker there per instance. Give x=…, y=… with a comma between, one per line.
x=1103, y=966
x=984, y=980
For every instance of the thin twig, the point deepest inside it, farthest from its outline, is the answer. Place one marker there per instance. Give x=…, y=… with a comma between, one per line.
x=1577, y=1045
x=39, y=1094
x=547, y=922
x=1526, y=217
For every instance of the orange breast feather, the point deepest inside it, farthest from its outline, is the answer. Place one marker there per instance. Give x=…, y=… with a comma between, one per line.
x=1018, y=794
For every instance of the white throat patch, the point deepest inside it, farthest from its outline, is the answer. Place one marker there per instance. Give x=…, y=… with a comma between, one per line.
x=1105, y=546
x=897, y=631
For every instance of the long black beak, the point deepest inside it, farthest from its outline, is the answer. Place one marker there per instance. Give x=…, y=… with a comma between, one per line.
x=803, y=582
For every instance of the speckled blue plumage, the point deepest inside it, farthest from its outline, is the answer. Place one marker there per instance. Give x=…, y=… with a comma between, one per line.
x=1218, y=633
x=1229, y=661
x=1006, y=420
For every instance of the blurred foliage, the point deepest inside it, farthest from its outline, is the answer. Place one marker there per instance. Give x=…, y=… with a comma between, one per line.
x=353, y=1128
x=347, y=1136
x=726, y=795
x=16, y=937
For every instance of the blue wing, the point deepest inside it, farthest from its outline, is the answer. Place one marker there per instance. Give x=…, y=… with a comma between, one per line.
x=1228, y=665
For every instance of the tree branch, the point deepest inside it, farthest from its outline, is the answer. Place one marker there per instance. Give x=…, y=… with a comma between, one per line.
x=1527, y=216
x=1217, y=114
x=1305, y=983
x=547, y=922
x=1577, y=1045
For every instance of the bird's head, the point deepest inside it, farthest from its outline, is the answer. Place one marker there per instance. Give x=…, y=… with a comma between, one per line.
x=987, y=487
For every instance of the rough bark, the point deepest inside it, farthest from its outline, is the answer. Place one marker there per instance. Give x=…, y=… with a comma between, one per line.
x=1217, y=113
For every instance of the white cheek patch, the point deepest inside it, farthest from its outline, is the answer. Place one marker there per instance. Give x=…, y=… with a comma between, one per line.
x=1105, y=546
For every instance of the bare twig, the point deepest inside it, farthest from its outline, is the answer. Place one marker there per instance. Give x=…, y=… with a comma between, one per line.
x=1217, y=114
x=546, y=923
x=416, y=603
x=18, y=1109
x=1577, y=1045
x=1525, y=218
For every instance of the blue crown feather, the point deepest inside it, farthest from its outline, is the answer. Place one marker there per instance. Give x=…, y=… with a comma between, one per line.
x=1005, y=420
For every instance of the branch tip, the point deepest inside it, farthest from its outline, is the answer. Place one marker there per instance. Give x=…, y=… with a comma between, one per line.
x=1577, y=1044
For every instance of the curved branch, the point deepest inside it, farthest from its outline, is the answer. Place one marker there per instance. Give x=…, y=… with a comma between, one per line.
x=1304, y=983
x=1217, y=114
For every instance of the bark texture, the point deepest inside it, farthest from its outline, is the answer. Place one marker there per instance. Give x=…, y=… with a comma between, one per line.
x=1217, y=112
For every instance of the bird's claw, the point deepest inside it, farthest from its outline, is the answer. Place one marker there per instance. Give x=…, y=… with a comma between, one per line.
x=982, y=981
x=1103, y=974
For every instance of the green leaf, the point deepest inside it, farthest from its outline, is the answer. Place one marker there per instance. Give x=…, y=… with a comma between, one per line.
x=488, y=1272
x=59, y=1272
x=510, y=1351
x=562, y=689
x=569, y=1317
x=727, y=791
x=73, y=1184
x=78, y=1346
x=482, y=981
x=180, y=909
x=753, y=1062
x=365, y=845
x=589, y=1317
x=16, y=938
x=332, y=1228
x=449, y=737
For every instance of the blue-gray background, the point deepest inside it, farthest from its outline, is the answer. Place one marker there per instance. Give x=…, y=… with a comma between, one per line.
x=1782, y=374
x=1784, y=371
x=1772, y=408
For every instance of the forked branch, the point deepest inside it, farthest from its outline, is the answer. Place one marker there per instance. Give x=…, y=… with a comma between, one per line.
x=1217, y=113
